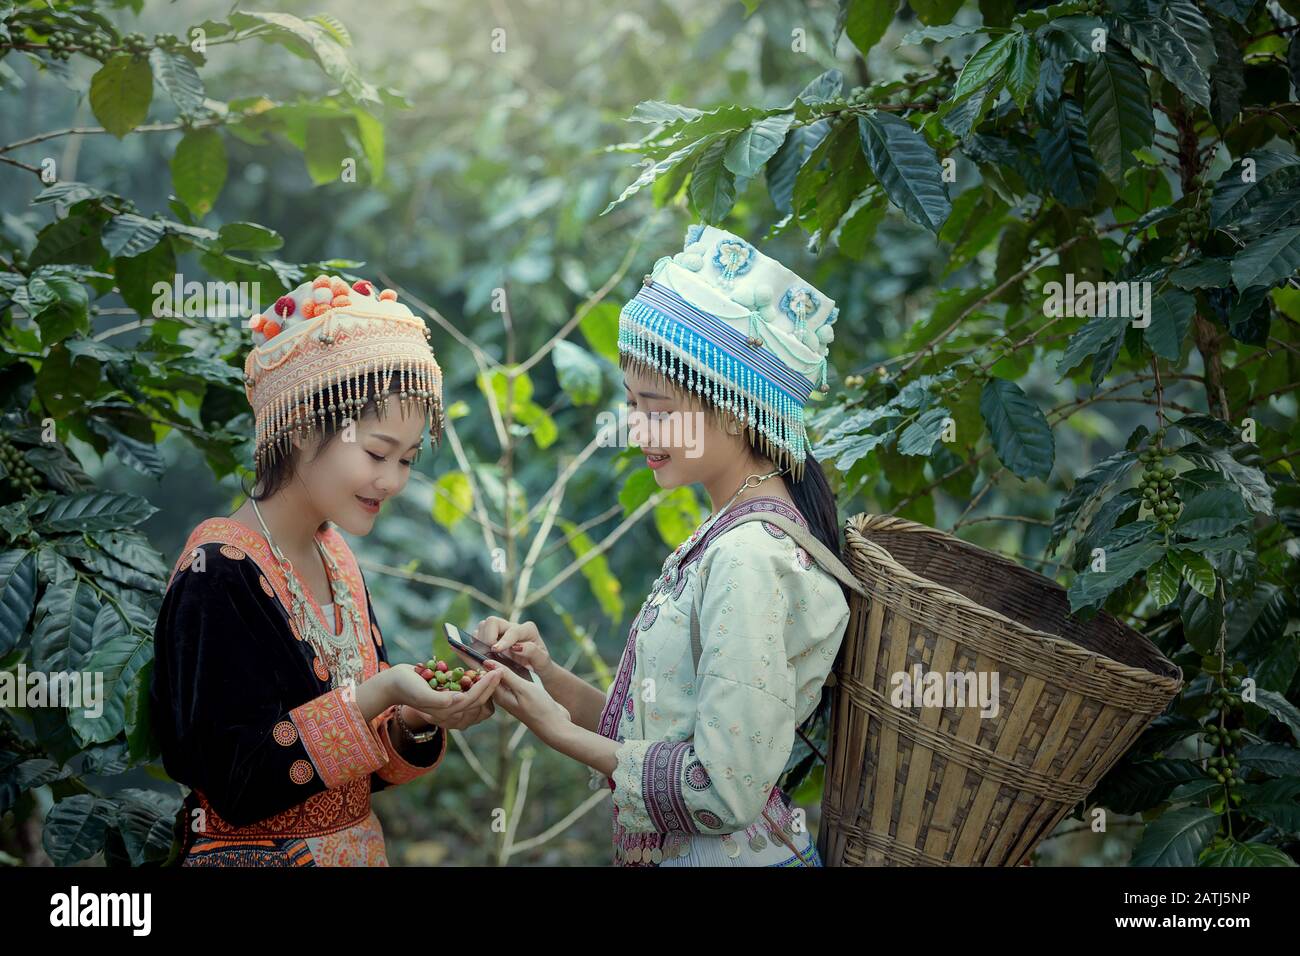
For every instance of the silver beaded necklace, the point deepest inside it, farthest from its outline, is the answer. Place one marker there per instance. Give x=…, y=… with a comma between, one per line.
x=341, y=652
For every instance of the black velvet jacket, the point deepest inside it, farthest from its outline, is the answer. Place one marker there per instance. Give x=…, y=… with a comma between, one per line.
x=243, y=708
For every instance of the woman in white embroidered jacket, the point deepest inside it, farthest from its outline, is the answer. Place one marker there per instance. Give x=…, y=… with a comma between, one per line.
x=696, y=731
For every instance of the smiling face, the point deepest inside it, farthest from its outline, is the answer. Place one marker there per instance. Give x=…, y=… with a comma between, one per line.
x=691, y=444
x=350, y=476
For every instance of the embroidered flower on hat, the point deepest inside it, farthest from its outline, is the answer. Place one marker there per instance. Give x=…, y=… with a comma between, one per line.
x=799, y=303
x=733, y=257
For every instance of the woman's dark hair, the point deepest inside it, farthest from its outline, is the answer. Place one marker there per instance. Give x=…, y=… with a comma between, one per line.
x=816, y=502
x=273, y=475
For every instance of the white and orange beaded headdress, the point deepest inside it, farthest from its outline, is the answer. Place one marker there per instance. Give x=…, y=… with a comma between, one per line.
x=327, y=348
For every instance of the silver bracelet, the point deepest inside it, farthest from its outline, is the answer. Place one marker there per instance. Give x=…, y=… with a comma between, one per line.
x=423, y=737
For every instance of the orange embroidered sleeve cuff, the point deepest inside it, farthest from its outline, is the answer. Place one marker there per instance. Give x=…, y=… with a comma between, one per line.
x=398, y=769
x=341, y=743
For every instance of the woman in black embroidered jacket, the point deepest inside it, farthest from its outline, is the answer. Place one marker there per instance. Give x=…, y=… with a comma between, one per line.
x=272, y=694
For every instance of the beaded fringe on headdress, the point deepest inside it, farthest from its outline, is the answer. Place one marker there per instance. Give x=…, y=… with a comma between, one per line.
x=655, y=343
x=337, y=386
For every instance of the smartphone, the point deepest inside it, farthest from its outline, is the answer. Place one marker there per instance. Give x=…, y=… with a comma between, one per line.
x=479, y=651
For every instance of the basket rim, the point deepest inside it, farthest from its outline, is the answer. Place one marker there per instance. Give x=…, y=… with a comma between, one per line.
x=862, y=523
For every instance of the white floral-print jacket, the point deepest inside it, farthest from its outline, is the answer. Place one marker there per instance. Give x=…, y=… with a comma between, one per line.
x=700, y=755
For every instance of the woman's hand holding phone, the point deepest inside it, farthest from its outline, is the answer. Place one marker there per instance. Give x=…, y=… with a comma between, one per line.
x=519, y=642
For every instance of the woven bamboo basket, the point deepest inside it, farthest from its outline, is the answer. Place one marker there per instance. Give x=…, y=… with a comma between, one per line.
x=943, y=785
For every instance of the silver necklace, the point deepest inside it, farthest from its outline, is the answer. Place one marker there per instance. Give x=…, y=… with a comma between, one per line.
x=667, y=579
x=340, y=652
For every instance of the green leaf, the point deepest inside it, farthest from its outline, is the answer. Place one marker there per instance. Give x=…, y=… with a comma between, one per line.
x=1118, y=109
x=132, y=549
x=17, y=596
x=948, y=32
x=1212, y=513
x=1066, y=159
x=753, y=147
x=1251, y=180
x=318, y=41
x=963, y=117
x=120, y=93
x=65, y=626
x=142, y=456
x=199, y=169
x=782, y=168
x=1022, y=73
x=933, y=12
x=334, y=26
x=1276, y=760
x=1207, y=428
x=1079, y=505
x=600, y=328
x=1176, y=837
x=1196, y=570
x=250, y=236
x=537, y=423
x=865, y=21
x=1281, y=708
x=1276, y=802
x=919, y=437
x=1162, y=582
x=1269, y=260
x=1206, y=273
x=1021, y=436
x=177, y=75
x=578, y=372
x=1227, y=79
x=653, y=171
x=713, y=187
x=906, y=167
x=658, y=113
x=327, y=149
x=95, y=511
x=637, y=488
x=985, y=67
x=371, y=133
x=605, y=587
x=1091, y=588
x=1133, y=787
x=75, y=828
x=145, y=819
x=1247, y=479
x=1162, y=46
x=122, y=647
x=453, y=499
x=1171, y=317
x=1094, y=338
x=129, y=235
x=1235, y=853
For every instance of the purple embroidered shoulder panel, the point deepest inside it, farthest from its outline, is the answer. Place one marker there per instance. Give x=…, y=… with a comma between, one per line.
x=728, y=521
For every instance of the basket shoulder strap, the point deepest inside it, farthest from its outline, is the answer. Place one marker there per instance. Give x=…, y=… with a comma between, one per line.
x=805, y=539
x=818, y=551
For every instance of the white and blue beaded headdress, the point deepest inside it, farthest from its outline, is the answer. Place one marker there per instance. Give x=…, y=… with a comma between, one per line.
x=737, y=327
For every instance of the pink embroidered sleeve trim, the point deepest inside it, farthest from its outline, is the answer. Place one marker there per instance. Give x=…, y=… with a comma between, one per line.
x=398, y=770
x=341, y=744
